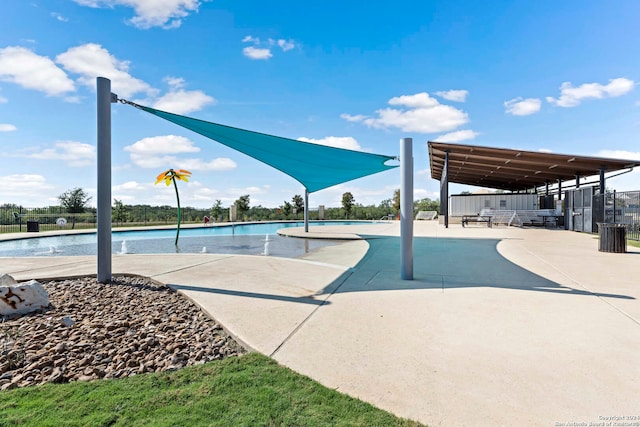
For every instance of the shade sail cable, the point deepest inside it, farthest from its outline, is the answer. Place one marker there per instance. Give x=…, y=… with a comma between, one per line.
x=315, y=166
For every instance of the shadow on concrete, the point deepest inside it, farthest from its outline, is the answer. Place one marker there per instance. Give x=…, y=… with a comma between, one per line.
x=445, y=263
x=303, y=300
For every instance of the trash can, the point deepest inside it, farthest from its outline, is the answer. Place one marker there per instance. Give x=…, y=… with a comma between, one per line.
x=33, y=226
x=613, y=237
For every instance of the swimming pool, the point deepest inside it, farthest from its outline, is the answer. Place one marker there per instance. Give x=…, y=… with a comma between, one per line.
x=247, y=239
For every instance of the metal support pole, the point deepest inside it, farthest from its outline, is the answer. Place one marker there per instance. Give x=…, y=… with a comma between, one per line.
x=546, y=188
x=614, y=206
x=559, y=189
x=104, y=179
x=306, y=210
x=577, y=181
x=444, y=190
x=406, y=208
x=602, y=182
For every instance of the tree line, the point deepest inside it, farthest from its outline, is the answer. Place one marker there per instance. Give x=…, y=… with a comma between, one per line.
x=74, y=204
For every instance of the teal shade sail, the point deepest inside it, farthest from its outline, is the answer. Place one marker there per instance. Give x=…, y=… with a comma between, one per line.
x=315, y=166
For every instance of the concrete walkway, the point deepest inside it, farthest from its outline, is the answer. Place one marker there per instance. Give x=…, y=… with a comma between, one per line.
x=500, y=326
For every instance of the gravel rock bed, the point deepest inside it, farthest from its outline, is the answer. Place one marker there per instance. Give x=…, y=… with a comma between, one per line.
x=97, y=331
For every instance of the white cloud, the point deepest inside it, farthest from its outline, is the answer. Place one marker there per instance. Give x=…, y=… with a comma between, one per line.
x=167, y=144
x=424, y=114
x=286, y=45
x=23, y=67
x=219, y=164
x=132, y=186
x=183, y=102
x=571, y=96
x=6, y=127
x=151, y=13
x=620, y=154
x=627, y=181
x=457, y=136
x=335, y=141
x=160, y=152
x=350, y=118
x=252, y=52
x=262, y=50
x=419, y=100
x=522, y=107
x=59, y=17
x=545, y=150
x=133, y=192
x=20, y=185
x=454, y=95
x=3, y=100
x=174, y=82
x=92, y=60
x=74, y=154
x=180, y=101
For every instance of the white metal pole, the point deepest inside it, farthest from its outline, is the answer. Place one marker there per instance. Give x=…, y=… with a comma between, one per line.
x=406, y=208
x=104, y=179
x=306, y=210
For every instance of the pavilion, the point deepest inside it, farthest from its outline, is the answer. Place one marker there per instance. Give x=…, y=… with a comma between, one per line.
x=516, y=170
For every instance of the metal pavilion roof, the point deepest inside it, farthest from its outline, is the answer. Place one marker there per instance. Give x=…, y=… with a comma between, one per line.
x=514, y=170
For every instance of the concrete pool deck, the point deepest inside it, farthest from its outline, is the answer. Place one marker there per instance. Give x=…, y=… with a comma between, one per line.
x=500, y=326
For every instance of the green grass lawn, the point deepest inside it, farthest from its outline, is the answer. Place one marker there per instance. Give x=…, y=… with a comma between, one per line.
x=251, y=390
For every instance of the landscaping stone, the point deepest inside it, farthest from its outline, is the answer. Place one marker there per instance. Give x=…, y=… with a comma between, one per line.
x=92, y=331
x=21, y=298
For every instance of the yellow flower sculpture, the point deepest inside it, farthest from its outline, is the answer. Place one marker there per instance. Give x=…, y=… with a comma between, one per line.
x=170, y=176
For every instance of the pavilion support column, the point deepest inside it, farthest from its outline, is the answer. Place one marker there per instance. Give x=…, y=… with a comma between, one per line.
x=577, y=181
x=546, y=188
x=406, y=208
x=105, y=98
x=602, y=180
x=306, y=210
x=444, y=190
x=559, y=189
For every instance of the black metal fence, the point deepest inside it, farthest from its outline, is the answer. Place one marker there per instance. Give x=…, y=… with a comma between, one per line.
x=619, y=208
x=14, y=218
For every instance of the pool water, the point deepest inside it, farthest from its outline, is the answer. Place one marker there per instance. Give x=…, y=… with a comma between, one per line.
x=247, y=239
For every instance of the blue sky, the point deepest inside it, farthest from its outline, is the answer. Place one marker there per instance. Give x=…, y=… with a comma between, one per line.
x=533, y=75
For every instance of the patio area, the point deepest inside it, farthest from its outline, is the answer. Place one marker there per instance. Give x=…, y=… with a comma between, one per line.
x=501, y=326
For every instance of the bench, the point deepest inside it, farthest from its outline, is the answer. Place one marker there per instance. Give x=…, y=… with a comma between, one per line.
x=476, y=218
x=552, y=219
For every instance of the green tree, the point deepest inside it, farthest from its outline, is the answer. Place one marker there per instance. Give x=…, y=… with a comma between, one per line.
x=286, y=208
x=347, y=203
x=427, y=204
x=216, y=210
x=396, y=200
x=298, y=202
x=119, y=211
x=74, y=201
x=242, y=205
